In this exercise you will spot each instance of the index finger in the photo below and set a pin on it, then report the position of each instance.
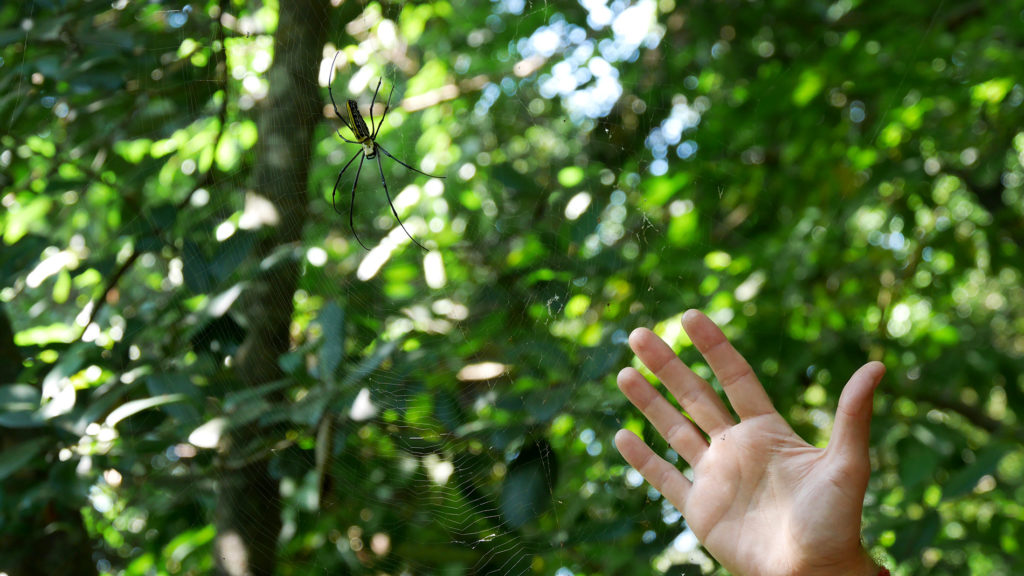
(741, 385)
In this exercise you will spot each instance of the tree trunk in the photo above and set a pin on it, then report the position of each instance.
(248, 499)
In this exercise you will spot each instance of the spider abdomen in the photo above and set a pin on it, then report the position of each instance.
(359, 128)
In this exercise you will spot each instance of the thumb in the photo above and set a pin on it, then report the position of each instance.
(853, 416)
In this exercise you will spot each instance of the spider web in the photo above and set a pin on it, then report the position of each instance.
(489, 495)
(481, 489)
(492, 495)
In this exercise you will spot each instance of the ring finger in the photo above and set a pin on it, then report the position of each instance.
(681, 434)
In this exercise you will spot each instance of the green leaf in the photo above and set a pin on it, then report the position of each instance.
(21, 419)
(177, 383)
(915, 535)
(332, 346)
(985, 462)
(810, 84)
(992, 91)
(599, 361)
(16, 258)
(231, 253)
(570, 176)
(15, 458)
(195, 269)
(257, 394)
(527, 489)
(19, 406)
(382, 352)
(658, 191)
(512, 179)
(19, 397)
(917, 462)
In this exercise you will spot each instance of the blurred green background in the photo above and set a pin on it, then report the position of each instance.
(202, 372)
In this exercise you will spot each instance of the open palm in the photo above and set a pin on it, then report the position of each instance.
(762, 501)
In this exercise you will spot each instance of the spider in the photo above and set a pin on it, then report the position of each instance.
(367, 138)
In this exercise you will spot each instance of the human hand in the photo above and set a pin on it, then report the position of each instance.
(762, 501)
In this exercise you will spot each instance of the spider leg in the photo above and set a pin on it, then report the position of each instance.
(376, 128)
(393, 211)
(387, 107)
(334, 104)
(390, 155)
(334, 193)
(390, 94)
(352, 202)
(346, 139)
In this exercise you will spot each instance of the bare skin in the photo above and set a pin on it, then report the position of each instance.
(762, 501)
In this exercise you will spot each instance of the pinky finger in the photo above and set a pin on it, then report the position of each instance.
(664, 477)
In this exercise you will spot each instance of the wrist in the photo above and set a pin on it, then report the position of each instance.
(862, 566)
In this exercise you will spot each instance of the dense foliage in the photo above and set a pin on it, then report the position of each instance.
(831, 182)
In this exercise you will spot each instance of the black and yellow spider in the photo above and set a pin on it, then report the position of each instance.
(367, 138)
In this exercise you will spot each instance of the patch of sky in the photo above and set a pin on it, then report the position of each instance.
(178, 18)
(510, 6)
(587, 79)
(894, 241)
(669, 133)
(487, 99)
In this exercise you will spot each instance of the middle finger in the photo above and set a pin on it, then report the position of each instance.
(694, 394)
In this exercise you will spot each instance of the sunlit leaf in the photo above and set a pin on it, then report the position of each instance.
(810, 84)
(135, 406)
